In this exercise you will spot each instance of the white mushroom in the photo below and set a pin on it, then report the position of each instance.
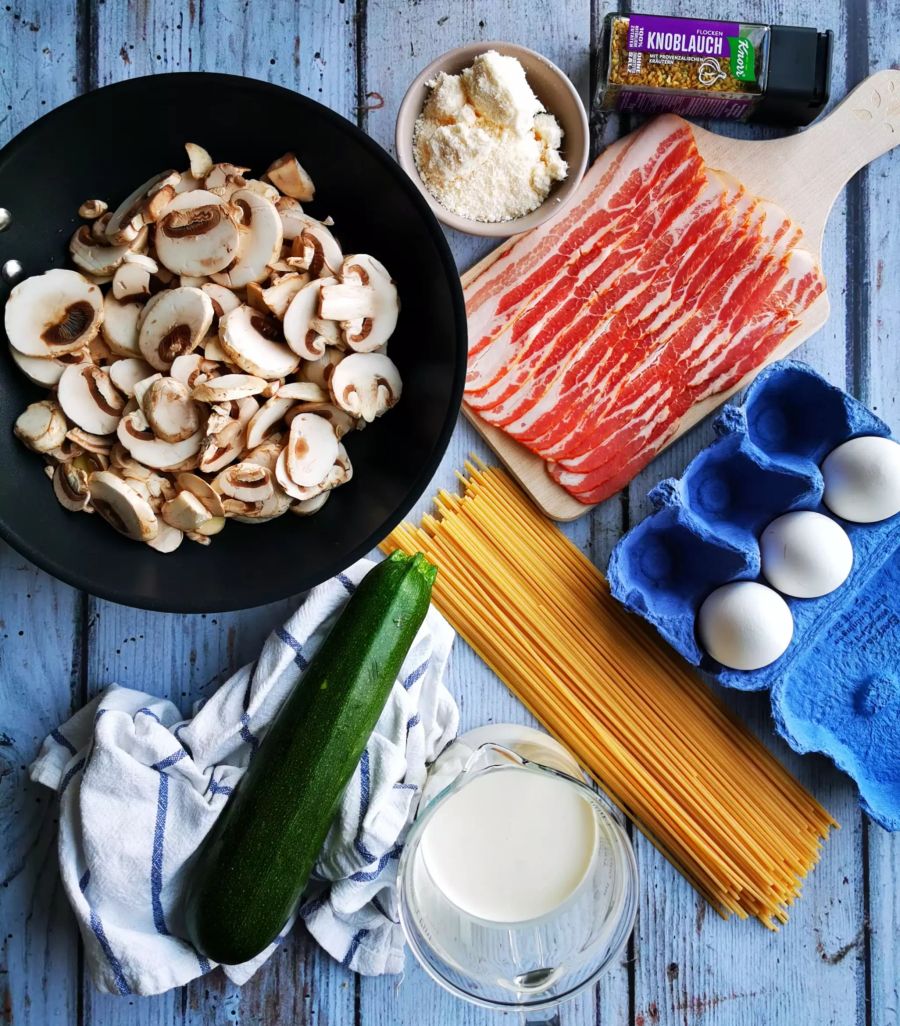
(135, 433)
(277, 297)
(201, 161)
(288, 175)
(99, 258)
(340, 472)
(87, 441)
(89, 398)
(125, 374)
(130, 280)
(212, 349)
(120, 505)
(365, 303)
(223, 300)
(46, 372)
(318, 251)
(311, 450)
(306, 507)
(265, 418)
(141, 388)
(185, 512)
(246, 482)
(70, 486)
(167, 538)
(303, 328)
(266, 453)
(177, 322)
(293, 219)
(229, 386)
(251, 341)
(120, 325)
(196, 234)
(319, 371)
(263, 188)
(121, 462)
(202, 490)
(226, 432)
(92, 209)
(170, 410)
(142, 207)
(366, 385)
(192, 369)
(342, 422)
(260, 240)
(41, 426)
(53, 313)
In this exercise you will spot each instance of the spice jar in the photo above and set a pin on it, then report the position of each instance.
(714, 69)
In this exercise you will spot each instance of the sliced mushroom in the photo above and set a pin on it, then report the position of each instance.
(212, 349)
(342, 422)
(142, 207)
(225, 176)
(196, 234)
(121, 506)
(179, 319)
(201, 161)
(141, 388)
(41, 426)
(229, 386)
(226, 434)
(70, 486)
(263, 188)
(246, 482)
(185, 512)
(125, 374)
(288, 175)
(167, 538)
(223, 300)
(87, 441)
(89, 398)
(170, 410)
(121, 462)
(366, 385)
(53, 313)
(120, 325)
(303, 328)
(251, 341)
(101, 258)
(306, 507)
(266, 453)
(92, 209)
(135, 433)
(46, 372)
(340, 472)
(260, 240)
(265, 418)
(192, 369)
(202, 490)
(130, 280)
(319, 371)
(318, 250)
(365, 303)
(277, 297)
(293, 219)
(311, 450)
(278, 503)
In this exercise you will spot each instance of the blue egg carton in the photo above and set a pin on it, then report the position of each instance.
(836, 689)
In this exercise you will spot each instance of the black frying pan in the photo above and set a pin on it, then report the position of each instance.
(107, 142)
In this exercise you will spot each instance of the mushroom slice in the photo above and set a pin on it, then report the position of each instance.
(277, 297)
(213, 351)
(196, 234)
(339, 419)
(101, 258)
(265, 418)
(319, 250)
(120, 505)
(86, 441)
(185, 511)
(135, 434)
(260, 243)
(45, 372)
(41, 426)
(180, 318)
(251, 341)
(311, 450)
(53, 313)
(365, 303)
(289, 176)
(293, 220)
(306, 507)
(121, 462)
(167, 538)
(302, 392)
(92, 209)
(223, 300)
(70, 486)
(143, 206)
(226, 433)
(120, 325)
(278, 503)
(90, 399)
(266, 453)
(366, 385)
(246, 482)
(141, 388)
(303, 329)
(201, 161)
(130, 280)
(202, 490)
(223, 175)
(263, 188)
(229, 386)
(170, 410)
(319, 371)
(192, 369)
(125, 374)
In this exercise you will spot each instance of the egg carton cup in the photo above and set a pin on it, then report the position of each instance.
(836, 689)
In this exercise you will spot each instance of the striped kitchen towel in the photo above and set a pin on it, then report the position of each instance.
(140, 787)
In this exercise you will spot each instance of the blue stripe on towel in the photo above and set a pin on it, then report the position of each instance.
(204, 964)
(364, 786)
(347, 583)
(177, 732)
(72, 770)
(169, 760)
(156, 862)
(364, 877)
(417, 674)
(150, 713)
(400, 786)
(354, 944)
(100, 934)
(313, 905)
(247, 736)
(64, 741)
(288, 639)
(216, 788)
(413, 721)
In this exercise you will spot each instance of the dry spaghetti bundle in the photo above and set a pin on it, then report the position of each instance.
(673, 758)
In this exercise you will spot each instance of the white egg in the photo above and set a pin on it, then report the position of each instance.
(862, 479)
(805, 554)
(745, 625)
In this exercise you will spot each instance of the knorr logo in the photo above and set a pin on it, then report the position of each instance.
(743, 59)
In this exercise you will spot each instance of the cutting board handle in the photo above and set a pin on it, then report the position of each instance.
(863, 126)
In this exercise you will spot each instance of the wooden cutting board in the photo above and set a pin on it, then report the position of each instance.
(803, 173)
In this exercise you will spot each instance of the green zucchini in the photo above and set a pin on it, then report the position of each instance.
(254, 864)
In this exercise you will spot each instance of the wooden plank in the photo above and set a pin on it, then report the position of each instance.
(40, 637)
(730, 973)
(874, 252)
(185, 657)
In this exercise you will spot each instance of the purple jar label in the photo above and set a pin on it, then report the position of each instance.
(695, 38)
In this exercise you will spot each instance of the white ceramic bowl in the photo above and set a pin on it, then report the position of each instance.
(551, 86)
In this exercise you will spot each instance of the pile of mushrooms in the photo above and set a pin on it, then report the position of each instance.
(234, 348)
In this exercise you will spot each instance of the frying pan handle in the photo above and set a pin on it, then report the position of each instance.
(863, 126)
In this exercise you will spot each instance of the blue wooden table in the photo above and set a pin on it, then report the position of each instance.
(838, 959)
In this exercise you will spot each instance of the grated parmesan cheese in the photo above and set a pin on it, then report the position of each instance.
(483, 144)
